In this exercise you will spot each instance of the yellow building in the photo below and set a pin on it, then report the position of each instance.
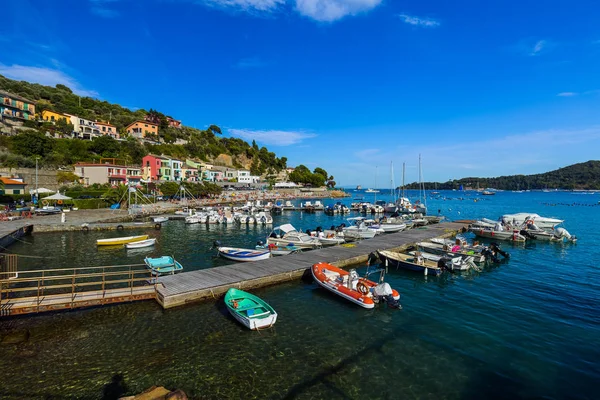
(52, 116)
(140, 129)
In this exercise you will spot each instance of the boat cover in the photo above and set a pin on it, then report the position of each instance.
(160, 262)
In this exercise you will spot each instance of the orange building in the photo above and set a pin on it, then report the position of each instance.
(107, 129)
(140, 129)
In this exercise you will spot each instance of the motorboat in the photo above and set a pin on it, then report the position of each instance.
(357, 229)
(263, 218)
(456, 263)
(243, 255)
(277, 250)
(140, 244)
(350, 286)
(371, 190)
(163, 265)
(120, 240)
(389, 227)
(559, 234)
(193, 219)
(249, 310)
(160, 220)
(288, 205)
(494, 230)
(288, 235)
(453, 250)
(519, 219)
(411, 262)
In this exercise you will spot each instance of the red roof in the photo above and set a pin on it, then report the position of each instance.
(8, 181)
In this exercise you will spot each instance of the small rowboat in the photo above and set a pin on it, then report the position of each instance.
(251, 311)
(279, 250)
(163, 265)
(140, 244)
(160, 220)
(237, 254)
(120, 240)
(350, 286)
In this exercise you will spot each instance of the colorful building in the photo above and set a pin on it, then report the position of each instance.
(106, 129)
(173, 122)
(14, 106)
(90, 173)
(83, 128)
(160, 168)
(12, 186)
(51, 116)
(140, 129)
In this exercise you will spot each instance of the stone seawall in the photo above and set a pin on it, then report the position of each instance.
(46, 178)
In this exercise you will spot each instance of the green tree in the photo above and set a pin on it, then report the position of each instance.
(169, 188)
(31, 144)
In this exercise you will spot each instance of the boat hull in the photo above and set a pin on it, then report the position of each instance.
(243, 255)
(498, 235)
(121, 240)
(140, 244)
(392, 259)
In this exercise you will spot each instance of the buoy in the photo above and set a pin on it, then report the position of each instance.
(157, 226)
(120, 227)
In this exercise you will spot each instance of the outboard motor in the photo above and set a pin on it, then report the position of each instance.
(560, 233)
(496, 249)
(260, 243)
(383, 292)
(372, 258)
(443, 263)
(216, 244)
(526, 233)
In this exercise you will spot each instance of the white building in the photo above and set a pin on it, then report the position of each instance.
(84, 128)
(245, 177)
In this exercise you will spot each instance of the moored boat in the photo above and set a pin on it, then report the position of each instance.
(278, 250)
(243, 255)
(140, 244)
(288, 235)
(120, 240)
(348, 285)
(411, 262)
(250, 310)
(163, 265)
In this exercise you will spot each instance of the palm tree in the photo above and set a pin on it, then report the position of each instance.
(117, 195)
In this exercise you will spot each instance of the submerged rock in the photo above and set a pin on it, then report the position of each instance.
(15, 337)
(158, 393)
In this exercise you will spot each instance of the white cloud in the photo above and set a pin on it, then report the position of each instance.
(332, 10)
(418, 21)
(538, 47)
(567, 94)
(44, 76)
(319, 10)
(272, 137)
(100, 9)
(246, 5)
(250, 63)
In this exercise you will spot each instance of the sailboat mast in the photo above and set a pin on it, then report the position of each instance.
(403, 172)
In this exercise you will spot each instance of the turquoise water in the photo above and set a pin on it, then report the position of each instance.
(527, 328)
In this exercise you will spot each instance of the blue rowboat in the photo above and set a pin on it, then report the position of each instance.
(163, 265)
(237, 254)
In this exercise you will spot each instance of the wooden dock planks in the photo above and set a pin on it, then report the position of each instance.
(185, 287)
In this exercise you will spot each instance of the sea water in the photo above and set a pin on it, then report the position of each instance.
(526, 328)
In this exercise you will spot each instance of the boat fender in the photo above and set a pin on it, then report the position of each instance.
(120, 227)
(157, 226)
(85, 229)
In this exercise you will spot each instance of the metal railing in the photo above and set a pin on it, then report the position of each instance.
(35, 287)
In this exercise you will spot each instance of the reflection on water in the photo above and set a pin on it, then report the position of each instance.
(525, 328)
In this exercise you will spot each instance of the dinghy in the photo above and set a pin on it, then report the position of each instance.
(243, 255)
(163, 265)
(140, 244)
(411, 262)
(120, 240)
(278, 250)
(350, 286)
(251, 311)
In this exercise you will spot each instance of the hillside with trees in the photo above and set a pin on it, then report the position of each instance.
(582, 176)
(206, 145)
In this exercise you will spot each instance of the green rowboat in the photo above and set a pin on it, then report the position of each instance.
(249, 310)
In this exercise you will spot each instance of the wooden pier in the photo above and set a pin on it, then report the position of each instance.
(176, 290)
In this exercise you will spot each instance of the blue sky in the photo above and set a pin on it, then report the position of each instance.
(477, 88)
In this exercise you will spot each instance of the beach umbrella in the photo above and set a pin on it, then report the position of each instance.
(57, 196)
